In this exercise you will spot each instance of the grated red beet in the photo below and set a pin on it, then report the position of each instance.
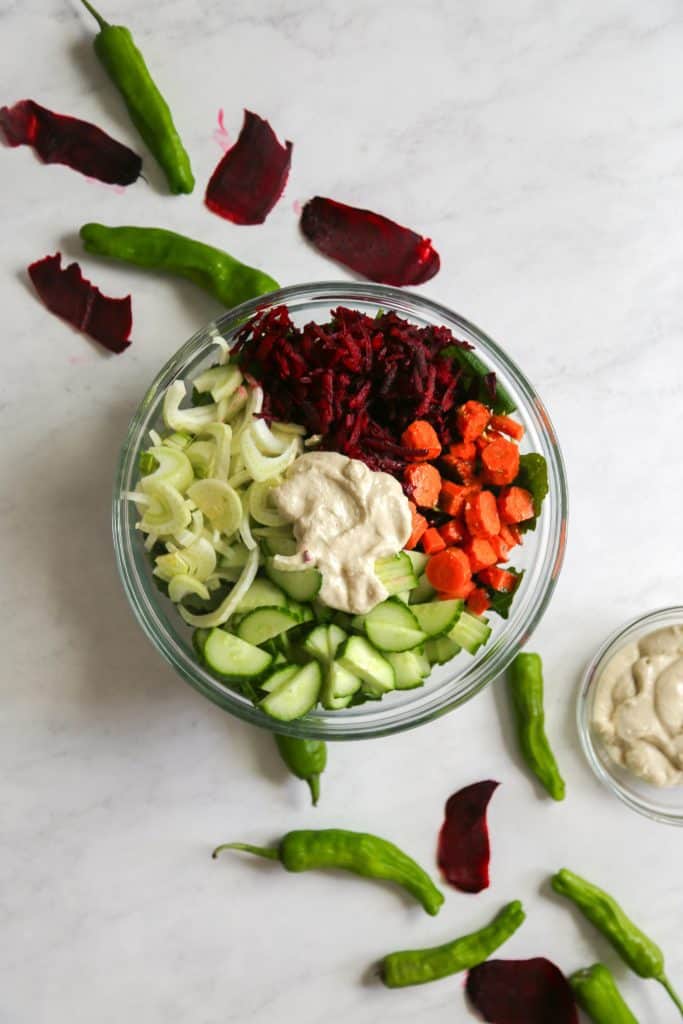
(521, 992)
(249, 179)
(68, 294)
(464, 851)
(357, 380)
(372, 245)
(59, 139)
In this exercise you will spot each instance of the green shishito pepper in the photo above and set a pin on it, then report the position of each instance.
(306, 759)
(634, 947)
(218, 273)
(358, 852)
(525, 680)
(597, 994)
(148, 109)
(417, 966)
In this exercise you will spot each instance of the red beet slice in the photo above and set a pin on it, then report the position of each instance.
(521, 992)
(250, 178)
(372, 245)
(59, 139)
(68, 294)
(464, 850)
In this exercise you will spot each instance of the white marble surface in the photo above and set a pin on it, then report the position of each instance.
(540, 144)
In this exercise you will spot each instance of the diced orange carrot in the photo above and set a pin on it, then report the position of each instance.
(452, 497)
(432, 541)
(423, 483)
(481, 515)
(501, 549)
(510, 535)
(498, 579)
(459, 594)
(478, 601)
(480, 553)
(453, 532)
(463, 469)
(515, 504)
(472, 420)
(423, 439)
(419, 526)
(449, 570)
(486, 438)
(465, 450)
(500, 460)
(506, 425)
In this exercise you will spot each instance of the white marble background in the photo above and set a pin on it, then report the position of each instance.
(540, 144)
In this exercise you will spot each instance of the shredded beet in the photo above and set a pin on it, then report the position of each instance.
(249, 179)
(464, 851)
(357, 380)
(521, 992)
(68, 294)
(368, 243)
(59, 139)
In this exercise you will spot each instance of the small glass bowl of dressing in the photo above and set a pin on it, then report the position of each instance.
(657, 802)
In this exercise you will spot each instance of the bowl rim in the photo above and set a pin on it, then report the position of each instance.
(590, 745)
(495, 659)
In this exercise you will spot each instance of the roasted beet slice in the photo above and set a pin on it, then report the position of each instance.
(372, 245)
(59, 139)
(250, 178)
(464, 850)
(68, 294)
(521, 992)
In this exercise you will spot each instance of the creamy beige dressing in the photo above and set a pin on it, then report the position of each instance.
(345, 517)
(638, 707)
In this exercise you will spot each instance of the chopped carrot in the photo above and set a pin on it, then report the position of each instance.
(480, 553)
(481, 515)
(472, 420)
(452, 497)
(423, 439)
(418, 528)
(478, 601)
(498, 579)
(506, 425)
(465, 450)
(459, 594)
(486, 438)
(501, 549)
(432, 541)
(453, 532)
(463, 469)
(510, 535)
(500, 460)
(515, 505)
(449, 570)
(422, 484)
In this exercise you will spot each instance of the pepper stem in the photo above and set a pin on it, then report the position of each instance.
(271, 852)
(314, 786)
(663, 980)
(98, 17)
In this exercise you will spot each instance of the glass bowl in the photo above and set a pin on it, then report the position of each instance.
(449, 685)
(665, 804)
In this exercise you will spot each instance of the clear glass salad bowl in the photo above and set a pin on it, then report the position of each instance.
(448, 685)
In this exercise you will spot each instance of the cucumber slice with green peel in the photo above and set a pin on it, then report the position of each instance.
(441, 650)
(437, 617)
(360, 658)
(279, 545)
(470, 631)
(423, 661)
(233, 658)
(343, 620)
(339, 687)
(424, 591)
(262, 593)
(281, 675)
(296, 696)
(396, 572)
(300, 584)
(303, 612)
(335, 638)
(316, 644)
(418, 560)
(391, 626)
(404, 596)
(199, 638)
(407, 668)
(357, 624)
(264, 623)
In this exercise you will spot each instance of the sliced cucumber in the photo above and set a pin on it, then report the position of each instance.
(322, 612)
(408, 669)
(396, 573)
(404, 596)
(233, 658)
(279, 544)
(343, 620)
(391, 626)
(437, 617)
(424, 591)
(303, 612)
(316, 644)
(441, 650)
(339, 687)
(296, 696)
(363, 660)
(264, 623)
(470, 631)
(423, 661)
(357, 624)
(262, 593)
(418, 560)
(300, 584)
(281, 675)
(199, 638)
(335, 638)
